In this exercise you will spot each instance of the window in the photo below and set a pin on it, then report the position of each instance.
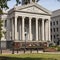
(5, 23)
(5, 36)
(54, 36)
(57, 22)
(57, 29)
(53, 23)
(51, 30)
(57, 35)
(51, 37)
(54, 29)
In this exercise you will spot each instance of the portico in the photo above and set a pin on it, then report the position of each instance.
(30, 29)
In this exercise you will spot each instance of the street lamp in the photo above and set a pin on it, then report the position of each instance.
(25, 40)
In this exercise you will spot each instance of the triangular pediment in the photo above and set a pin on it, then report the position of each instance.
(33, 8)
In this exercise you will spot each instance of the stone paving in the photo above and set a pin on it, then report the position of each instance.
(22, 52)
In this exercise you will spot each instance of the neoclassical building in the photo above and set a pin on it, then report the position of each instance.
(28, 22)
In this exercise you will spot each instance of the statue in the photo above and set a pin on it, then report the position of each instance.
(25, 2)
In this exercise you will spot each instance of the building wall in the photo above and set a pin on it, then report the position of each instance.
(55, 26)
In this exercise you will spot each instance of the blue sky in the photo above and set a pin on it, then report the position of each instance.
(48, 4)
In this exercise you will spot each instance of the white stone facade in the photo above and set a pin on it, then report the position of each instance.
(29, 22)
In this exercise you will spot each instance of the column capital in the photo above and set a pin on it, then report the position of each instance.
(30, 18)
(16, 17)
(43, 19)
(37, 18)
(23, 16)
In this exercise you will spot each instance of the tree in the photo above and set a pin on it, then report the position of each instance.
(1, 28)
(3, 5)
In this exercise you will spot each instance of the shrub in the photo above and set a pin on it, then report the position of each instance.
(27, 58)
(58, 48)
(50, 49)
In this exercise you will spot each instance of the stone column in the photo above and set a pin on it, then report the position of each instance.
(43, 29)
(36, 29)
(46, 30)
(20, 29)
(8, 25)
(30, 36)
(23, 36)
(16, 29)
(39, 32)
(12, 30)
(49, 30)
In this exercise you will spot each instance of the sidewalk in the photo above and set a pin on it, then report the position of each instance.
(27, 52)
(52, 52)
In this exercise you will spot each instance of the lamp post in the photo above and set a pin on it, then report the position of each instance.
(25, 41)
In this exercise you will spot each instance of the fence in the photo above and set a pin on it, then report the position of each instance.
(18, 47)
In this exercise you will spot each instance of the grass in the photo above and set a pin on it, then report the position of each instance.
(42, 56)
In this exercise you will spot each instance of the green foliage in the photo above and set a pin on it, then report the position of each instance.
(8, 58)
(58, 48)
(1, 28)
(1, 11)
(55, 47)
(18, 2)
(3, 4)
(30, 57)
